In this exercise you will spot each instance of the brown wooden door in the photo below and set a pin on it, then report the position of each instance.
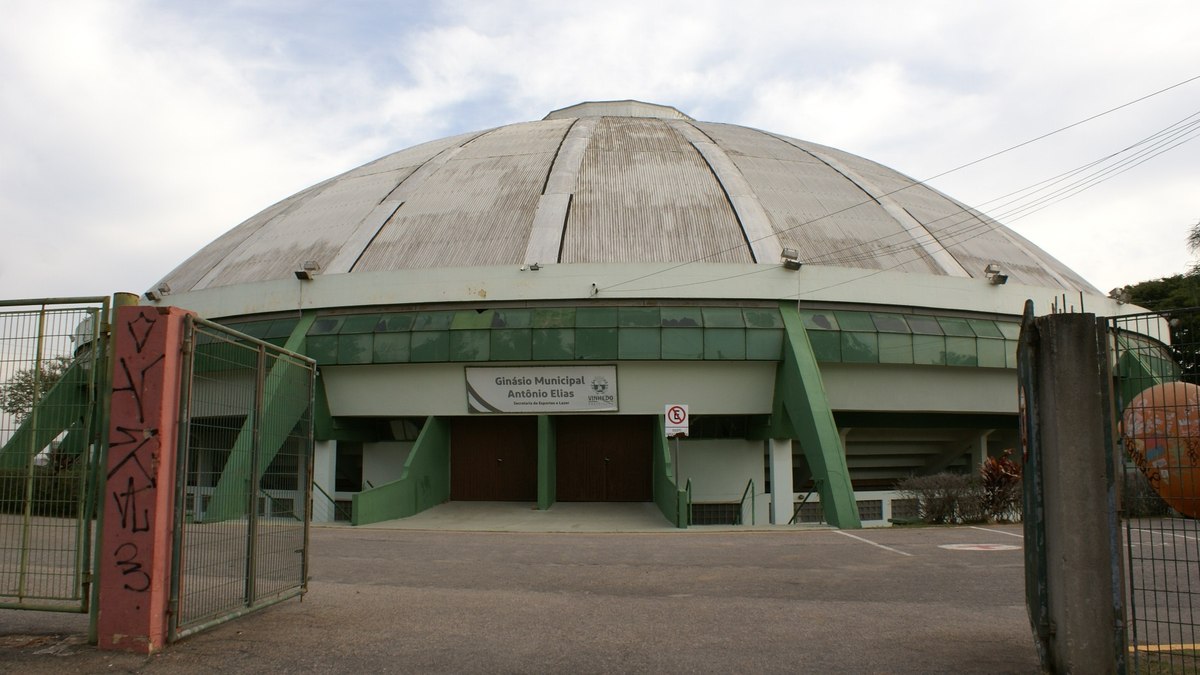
(493, 459)
(604, 459)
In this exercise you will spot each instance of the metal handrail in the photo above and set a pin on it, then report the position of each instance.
(273, 499)
(796, 512)
(332, 502)
(38, 302)
(742, 504)
(687, 488)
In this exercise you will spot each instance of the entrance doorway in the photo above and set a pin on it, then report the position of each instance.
(604, 458)
(493, 459)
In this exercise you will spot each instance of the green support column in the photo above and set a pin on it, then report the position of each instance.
(282, 408)
(547, 467)
(802, 412)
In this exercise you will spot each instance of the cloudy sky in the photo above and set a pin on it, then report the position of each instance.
(134, 132)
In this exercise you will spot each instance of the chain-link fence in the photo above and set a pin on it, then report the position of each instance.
(244, 477)
(1155, 373)
(53, 364)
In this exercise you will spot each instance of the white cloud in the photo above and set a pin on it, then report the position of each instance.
(133, 144)
(135, 132)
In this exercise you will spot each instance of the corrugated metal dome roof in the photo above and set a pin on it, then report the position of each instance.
(618, 181)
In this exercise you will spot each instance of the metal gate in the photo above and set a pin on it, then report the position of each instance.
(244, 492)
(53, 371)
(1155, 370)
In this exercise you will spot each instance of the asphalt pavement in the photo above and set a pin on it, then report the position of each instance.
(719, 600)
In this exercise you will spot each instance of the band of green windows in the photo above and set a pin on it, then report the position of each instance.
(645, 333)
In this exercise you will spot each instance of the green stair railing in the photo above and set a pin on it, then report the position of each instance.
(748, 493)
(796, 513)
(328, 506)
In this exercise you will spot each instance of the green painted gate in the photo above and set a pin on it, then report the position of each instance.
(244, 472)
(1157, 410)
(54, 374)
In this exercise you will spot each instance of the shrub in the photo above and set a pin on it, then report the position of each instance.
(1138, 498)
(56, 491)
(1000, 479)
(944, 498)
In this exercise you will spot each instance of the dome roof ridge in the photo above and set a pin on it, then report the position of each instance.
(624, 108)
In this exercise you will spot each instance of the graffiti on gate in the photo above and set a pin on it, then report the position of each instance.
(134, 448)
(134, 562)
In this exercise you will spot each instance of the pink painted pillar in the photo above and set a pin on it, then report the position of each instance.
(135, 552)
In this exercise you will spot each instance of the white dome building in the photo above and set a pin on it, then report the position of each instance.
(504, 315)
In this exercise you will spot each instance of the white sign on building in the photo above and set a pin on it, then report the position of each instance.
(542, 389)
(677, 419)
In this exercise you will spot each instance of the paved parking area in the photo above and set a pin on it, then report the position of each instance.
(899, 600)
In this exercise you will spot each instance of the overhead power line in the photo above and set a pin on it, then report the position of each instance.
(1185, 128)
(1026, 201)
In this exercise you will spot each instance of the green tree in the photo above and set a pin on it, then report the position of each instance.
(21, 391)
(1167, 294)
(1177, 298)
(1193, 244)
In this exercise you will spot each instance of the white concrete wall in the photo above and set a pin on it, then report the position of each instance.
(706, 387)
(384, 462)
(720, 469)
(396, 390)
(885, 496)
(643, 388)
(324, 465)
(919, 388)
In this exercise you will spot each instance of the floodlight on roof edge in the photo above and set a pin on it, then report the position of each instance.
(790, 258)
(155, 294)
(308, 270)
(994, 277)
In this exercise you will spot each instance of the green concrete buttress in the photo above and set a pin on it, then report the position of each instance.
(64, 408)
(424, 483)
(281, 409)
(802, 412)
(547, 463)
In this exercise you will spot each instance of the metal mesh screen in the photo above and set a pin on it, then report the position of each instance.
(1154, 367)
(244, 472)
(51, 366)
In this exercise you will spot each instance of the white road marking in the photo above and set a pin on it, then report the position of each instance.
(868, 541)
(1165, 534)
(980, 547)
(988, 529)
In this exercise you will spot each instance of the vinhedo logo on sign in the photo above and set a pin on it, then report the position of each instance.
(600, 391)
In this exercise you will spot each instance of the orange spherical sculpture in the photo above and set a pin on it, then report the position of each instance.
(1161, 428)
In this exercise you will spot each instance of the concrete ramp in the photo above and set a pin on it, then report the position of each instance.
(526, 517)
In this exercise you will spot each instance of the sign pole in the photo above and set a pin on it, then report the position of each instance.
(677, 472)
(676, 415)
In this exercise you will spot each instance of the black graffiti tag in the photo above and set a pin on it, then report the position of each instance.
(133, 475)
(126, 555)
(127, 506)
(134, 455)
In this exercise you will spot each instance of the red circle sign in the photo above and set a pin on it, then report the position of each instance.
(676, 414)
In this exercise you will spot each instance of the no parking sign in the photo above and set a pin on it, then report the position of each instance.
(677, 419)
